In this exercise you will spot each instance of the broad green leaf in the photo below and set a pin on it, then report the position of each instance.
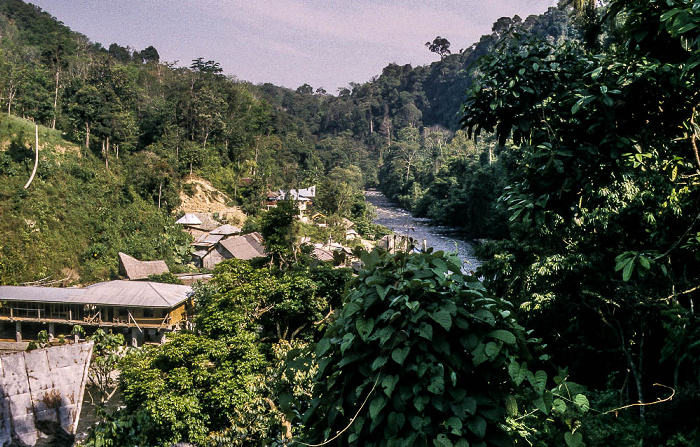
(540, 405)
(385, 334)
(347, 342)
(559, 406)
(399, 354)
(364, 327)
(437, 384)
(396, 421)
(469, 404)
(322, 347)
(479, 354)
(514, 370)
(379, 362)
(627, 271)
(455, 425)
(582, 402)
(538, 380)
(443, 318)
(573, 439)
(477, 425)
(486, 316)
(511, 406)
(644, 262)
(426, 331)
(388, 383)
(668, 14)
(420, 402)
(492, 349)
(503, 335)
(376, 406)
(442, 441)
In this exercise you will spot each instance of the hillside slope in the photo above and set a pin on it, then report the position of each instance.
(75, 216)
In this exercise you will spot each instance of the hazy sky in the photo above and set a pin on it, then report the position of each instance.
(325, 43)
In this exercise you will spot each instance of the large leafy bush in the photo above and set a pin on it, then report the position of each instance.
(421, 355)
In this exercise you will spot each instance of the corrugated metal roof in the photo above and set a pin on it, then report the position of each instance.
(200, 253)
(244, 247)
(208, 239)
(189, 219)
(111, 293)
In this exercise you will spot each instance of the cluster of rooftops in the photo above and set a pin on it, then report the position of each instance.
(214, 242)
(140, 304)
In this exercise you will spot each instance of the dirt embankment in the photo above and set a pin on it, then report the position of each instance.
(204, 198)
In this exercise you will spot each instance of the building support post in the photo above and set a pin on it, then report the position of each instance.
(135, 337)
(18, 331)
(52, 331)
(161, 335)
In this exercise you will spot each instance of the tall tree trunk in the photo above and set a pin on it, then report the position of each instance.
(107, 153)
(160, 191)
(55, 99)
(87, 136)
(634, 367)
(10, 96)
(36, 157)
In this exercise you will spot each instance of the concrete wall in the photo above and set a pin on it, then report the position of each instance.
(41, 394)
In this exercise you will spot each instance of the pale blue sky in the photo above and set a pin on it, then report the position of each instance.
(325, 43)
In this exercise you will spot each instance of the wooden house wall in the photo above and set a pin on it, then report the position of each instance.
(178, 314)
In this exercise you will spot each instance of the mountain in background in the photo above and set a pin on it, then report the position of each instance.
(121, 133)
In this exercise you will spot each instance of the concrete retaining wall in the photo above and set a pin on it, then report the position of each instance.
(41, 393)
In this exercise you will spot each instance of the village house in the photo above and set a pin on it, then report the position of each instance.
(144, 310)
(135, 270)
(246, 247)
(207, 252)
(303, 197)
(198, 224)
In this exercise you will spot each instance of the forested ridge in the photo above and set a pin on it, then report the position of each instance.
(151, 124)
(568, 141)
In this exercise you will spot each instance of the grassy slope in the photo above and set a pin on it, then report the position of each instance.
(76, 215)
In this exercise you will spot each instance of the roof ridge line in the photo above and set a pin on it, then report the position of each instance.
(150, 284)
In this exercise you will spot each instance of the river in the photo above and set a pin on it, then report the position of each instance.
(440, 238)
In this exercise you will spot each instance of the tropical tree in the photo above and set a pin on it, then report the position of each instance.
(599, 140)
(439, 45)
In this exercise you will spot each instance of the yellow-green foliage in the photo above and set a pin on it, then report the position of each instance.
(75, 216)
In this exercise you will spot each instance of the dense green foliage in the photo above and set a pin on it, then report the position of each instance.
(74, 218)
(584, 174)
(421, 355)
(125, 110)
(161, 123)
(228, 383)
(601, 201)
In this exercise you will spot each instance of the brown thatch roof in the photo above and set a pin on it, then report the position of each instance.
(208, 222)
(134, 269)
(322, 254)
(245, 247)
(226, 230)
